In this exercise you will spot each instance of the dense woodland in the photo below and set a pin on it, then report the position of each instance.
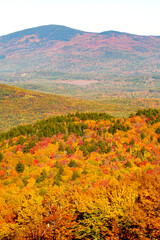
(76, 175)
(82, 176)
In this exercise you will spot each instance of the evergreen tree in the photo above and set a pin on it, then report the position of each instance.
(72, 163)
(19, 167)
(69, 150)
(75, 175)
(60, 147)
(1, 156)
(42, 176)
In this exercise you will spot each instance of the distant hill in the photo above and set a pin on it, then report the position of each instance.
(59, 48)
(53, 58)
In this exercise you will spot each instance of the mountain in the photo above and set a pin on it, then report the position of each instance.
(53, 53)
(60, 48)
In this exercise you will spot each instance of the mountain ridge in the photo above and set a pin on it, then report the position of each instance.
(42, 30)
(54, 26)
(55, 48)
(63, 33)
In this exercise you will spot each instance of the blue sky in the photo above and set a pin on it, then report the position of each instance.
(138, 17)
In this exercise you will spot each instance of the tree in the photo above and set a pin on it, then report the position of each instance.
(60, 147)
(75, 175)
(69, 150)
(19, 167)
(1, 156)
(42, 176)
(72, 163)
(62, 224)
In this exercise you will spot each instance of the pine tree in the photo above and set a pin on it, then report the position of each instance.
(1, 156)
(19, 167)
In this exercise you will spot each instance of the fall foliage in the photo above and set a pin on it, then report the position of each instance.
(82, 176)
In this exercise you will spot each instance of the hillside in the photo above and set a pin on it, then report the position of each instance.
(71, 50)
(82, 176)
(54, 56)
(19, 106)
(83, 163)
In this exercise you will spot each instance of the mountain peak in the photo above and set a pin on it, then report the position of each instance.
(49, 32)
(60, 48)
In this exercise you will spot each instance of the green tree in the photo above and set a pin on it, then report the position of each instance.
(75, 175)
(60, 147)
(69, 150)
(58, 177)
(19, 167)
(128, 164)
(142, 135)
(1, 156)
(42, 176)
(72, 163)
(158, 130)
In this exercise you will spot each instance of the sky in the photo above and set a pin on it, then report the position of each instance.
(140, 17)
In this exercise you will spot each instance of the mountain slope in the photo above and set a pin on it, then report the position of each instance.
(59, 48)
(70, 62)
(82, 176)
(19, 106)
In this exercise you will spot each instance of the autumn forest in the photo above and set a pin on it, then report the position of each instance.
(81, 176)
(79, 135)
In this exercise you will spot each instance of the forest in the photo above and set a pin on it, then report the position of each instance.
(82, 176)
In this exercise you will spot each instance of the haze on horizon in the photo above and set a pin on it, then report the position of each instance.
(139, 17)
